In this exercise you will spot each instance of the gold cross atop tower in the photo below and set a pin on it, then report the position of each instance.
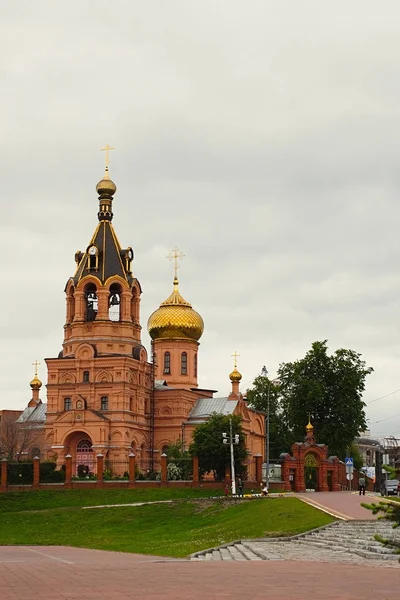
(175, 255)
(107, 149)
(36, 364)
(235, 355)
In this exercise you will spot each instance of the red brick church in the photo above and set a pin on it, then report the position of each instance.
(105, 393)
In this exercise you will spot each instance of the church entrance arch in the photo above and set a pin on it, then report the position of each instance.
(78, 445)
(311, 470)
(85, 463)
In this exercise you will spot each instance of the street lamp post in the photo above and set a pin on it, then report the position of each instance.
(264, 373)
(231, 441)
(267, 442)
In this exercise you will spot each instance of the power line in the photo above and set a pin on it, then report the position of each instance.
(382, 397)
(386, 418)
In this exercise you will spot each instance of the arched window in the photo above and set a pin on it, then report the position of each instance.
(114, 302)
(85, 376)
(91, 302)
(167, 363)
(195, 365)
(164, 449)
(184, 363)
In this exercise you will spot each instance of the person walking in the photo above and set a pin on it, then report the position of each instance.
(361, 486)
(240, 487)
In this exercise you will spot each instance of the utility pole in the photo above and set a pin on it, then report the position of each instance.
(264, 373)
(267, 441)
(231, 440)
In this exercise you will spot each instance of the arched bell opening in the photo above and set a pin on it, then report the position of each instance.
(114, 302)
(91, 301)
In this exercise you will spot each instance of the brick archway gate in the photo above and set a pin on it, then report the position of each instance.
(308, 467)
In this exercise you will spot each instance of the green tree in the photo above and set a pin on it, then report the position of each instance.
(264, 392)
(179, 461)
(213, 454)
(328, 388)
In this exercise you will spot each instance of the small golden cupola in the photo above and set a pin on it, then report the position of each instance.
(35, 384)
(309, 430)
(235, 376)
(175, 328)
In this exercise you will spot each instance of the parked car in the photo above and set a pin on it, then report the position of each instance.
(390, 487)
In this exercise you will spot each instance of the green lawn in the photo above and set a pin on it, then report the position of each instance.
(45, 499)
(176, 529)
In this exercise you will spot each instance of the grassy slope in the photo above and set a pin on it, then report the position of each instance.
(37, 500)
(176, 529)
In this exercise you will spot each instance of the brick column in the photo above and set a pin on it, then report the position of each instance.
(132, 468)
(323, 482)
(196, 477)
(68, 471)
(163, 468)
(36, 472)
(100, 469)
(258, 458)
(3, 482)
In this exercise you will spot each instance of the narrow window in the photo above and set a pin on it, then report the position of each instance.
(67, 403)
(167, 363)
(104, 403)
(184, 363)
(195, 365)
(85, 376)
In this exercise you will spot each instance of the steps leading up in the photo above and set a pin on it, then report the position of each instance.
(344, 539)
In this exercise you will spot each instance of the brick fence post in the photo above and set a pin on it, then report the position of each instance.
(163, 468)
(100, 469)
(68, 471)
(258, 458)
(132, 469)
(195, 467)
(36, 473)
(3, 484)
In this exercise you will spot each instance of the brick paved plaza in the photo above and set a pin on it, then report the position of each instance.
(56, 573)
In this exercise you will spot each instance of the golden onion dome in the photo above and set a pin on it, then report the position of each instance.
(106, 187)
(235, 376)
(175, 319)
(36, 384)
(309, 427)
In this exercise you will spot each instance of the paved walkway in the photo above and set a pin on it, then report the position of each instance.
(57, 573)
(344, 505)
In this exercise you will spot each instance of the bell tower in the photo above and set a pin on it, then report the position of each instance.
(103, 296)
(99, 386)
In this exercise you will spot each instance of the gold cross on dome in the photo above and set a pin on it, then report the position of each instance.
(36, 364)
(235, 355)
(107, 149)
(175, 255)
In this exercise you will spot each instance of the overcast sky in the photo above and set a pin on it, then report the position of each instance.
(261, 137)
